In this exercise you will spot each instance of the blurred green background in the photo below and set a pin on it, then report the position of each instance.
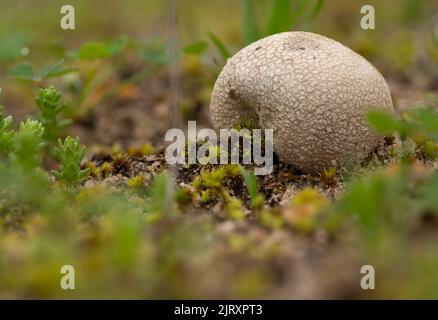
(403, 45)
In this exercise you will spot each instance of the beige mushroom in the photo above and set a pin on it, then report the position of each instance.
(313, 91)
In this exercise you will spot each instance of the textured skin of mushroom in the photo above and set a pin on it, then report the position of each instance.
(313, 91)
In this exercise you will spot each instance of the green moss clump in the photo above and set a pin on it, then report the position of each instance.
(136, 182)
(244, 124)
(328, 176)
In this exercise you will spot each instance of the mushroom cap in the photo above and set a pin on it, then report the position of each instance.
(311, 90)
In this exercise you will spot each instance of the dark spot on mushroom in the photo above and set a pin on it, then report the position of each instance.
(314, 57)
(258, 48)
(232, 93)
(301, 48)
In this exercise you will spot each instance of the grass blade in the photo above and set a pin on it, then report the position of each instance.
(257, 199)
(251, 182)
(280, 19)
(195, 48)
(250, 27)
(225, 53)
(297, 13)
(315, 11)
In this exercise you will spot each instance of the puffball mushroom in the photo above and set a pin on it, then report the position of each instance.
(311, 90)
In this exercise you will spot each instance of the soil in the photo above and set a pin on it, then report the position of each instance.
(304, 266)
(316, 265)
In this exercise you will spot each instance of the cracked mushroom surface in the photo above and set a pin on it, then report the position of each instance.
(311, 90)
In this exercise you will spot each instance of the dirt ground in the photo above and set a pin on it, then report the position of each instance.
(316, 265)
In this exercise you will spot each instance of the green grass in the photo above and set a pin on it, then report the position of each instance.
(140, 232)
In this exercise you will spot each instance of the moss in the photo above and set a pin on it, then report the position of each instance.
(183, 196)
(213, 179)
(136, 182)
(244, 124)
(213, 155)
(271, 219)
(392, 152)
(233, 170)
(258, 201)
(206, 195)
(209, 186)
(104, 170)
(93, 168)
(304, 209)
(329, 176)
(116, 150)
(309, 196)
(89, 198)
(235, 208)
(121, 164)
(427, 149)
(250, 283)
(144, 150)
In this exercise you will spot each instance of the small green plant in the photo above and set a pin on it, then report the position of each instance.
(328, 176)
(214, 152)
(271, 218)
(27, 145)
(244, 124)
(89, 72)
(98, 60)
(212, 180)
(22, 177)
(50, 104)
(379, 201)
(235, 208)
(210, 185)
(418, 125)
(257, 199)
(6, 135)
(305, 209)
(221, 47)
(209, 179)
(70, 153)
(161, 198)
(136, 181)
(25, 72)
(144, 150)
